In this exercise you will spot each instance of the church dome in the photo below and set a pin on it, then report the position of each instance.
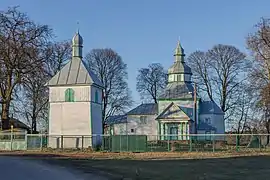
(179, 68)
(77, 39)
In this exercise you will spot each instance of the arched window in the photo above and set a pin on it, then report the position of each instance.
(96, 96)
(69, 95)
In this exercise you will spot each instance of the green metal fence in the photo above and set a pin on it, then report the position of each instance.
(13, 141)
(138, 143)
(36, 141)
(126, 143)
(193, 143)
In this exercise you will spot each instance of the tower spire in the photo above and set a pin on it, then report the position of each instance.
(179, 52)
(77, 44)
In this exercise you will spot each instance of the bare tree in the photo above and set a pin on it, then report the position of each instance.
(264, 105)
(32, 103)
(34, 100)
(112, 72)
(20, 40)
(58, 54)
(243, 114)
(220, 71)
(228, 64)
(151, 81)
(201, 69)
(258, 42)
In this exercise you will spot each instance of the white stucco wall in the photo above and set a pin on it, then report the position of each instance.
(57, 94)
(96, 114)
(179, 77)
(120, 129)
(217, 121)
(202, 135)
(96, 125)
(69, 119)
(96, 119)
(93, 90)
(150, 128)
(202, 117)
(83, 117)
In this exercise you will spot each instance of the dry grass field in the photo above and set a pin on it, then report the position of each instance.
(163, 166)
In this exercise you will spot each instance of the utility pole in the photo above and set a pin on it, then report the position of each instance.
(195, 107)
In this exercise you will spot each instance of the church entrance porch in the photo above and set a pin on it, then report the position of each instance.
(174, 131)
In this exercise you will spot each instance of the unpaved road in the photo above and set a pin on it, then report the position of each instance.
(19, 168)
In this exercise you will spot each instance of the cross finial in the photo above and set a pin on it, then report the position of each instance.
(78, 26)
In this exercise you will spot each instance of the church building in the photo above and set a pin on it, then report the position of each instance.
(75, 100)
(178, 113)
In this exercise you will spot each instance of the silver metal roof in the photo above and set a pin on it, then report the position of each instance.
(116, 119)
(177, 90)
(75, 72)
(77, 39)
(179, 67)
(144, 109)
(210, 107)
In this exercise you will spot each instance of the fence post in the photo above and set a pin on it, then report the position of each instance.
(26, 141)
(168, 143)
(190, 143)
(11, 137)
(110, 143)
(41, 142)
(120, 143)
(62, 142)
(213, 143)
(237, 143)
(82, 142)
(260, 143)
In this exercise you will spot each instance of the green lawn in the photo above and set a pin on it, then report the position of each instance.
(248, 168)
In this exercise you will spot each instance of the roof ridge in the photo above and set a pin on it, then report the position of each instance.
(75, 72)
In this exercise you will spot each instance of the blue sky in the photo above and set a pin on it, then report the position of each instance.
(146, 31)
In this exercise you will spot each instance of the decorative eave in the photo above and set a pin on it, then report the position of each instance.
(160, 116)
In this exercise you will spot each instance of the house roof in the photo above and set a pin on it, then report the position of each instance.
(75, 72)
(210, 107)
(17, 124)
(177, 90)
(144, 109)
(116, 119)
(188, 111)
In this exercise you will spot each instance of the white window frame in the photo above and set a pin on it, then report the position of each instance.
(143, 119)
